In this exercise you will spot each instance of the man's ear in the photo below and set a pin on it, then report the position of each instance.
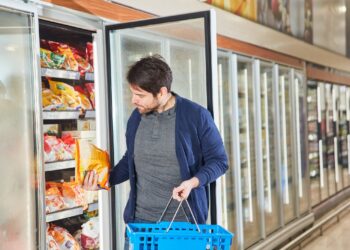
(163, 91)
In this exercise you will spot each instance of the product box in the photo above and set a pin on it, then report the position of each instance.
(86, 125)
(51, 129)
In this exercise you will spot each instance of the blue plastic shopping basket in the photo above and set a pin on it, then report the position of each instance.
(177, 235)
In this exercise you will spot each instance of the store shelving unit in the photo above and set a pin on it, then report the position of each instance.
(67, 213)
(59, 165)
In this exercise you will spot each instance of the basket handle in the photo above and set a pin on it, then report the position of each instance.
(176, 212)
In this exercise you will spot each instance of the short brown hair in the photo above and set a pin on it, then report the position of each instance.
(150, 73)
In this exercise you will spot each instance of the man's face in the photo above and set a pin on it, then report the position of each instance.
(144, 101)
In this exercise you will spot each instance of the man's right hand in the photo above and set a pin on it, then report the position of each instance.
(90, 181)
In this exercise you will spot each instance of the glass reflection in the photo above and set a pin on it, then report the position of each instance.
(287, 167)
(268, 129)
(247, 151)
(226, 123)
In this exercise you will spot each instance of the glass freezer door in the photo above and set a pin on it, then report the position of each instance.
(188, 43)
(19, 129)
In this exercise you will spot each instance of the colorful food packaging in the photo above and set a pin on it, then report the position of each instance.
(85, 102)
(58, 149)
(53, 198)
(58, 238)
(73, 195)
(63, 49)
(50, 100)
(69, 96)
(74, 61)
(90, 234)
(91, 90)
(91, 158)
(89, 53)
(51, 60)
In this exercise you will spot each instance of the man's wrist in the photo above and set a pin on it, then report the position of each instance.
(194, 182)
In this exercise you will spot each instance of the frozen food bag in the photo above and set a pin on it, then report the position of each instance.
(69, 96)
(91, 90)
(59, 238)
(91, 158)
(73, 195)
(63, 49)
(90, 234)
(51, 60)
(53, 198)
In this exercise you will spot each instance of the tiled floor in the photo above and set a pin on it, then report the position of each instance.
(336, 237)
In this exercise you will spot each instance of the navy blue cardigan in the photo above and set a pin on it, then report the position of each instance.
(199, 150)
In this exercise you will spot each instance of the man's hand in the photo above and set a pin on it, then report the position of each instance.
(183, 191)
(90, 181)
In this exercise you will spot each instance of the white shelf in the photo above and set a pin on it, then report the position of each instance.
(58, 73)
(90, 114)
(89, 76)
(59, 215)
(61, 115)
(59, 165)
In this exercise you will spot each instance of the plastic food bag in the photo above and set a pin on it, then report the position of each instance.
(91, 158)
(90, 234)
(59, 238)
(51, 60)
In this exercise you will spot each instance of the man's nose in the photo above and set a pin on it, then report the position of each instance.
(134, 100)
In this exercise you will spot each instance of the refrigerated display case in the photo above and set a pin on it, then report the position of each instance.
(300, 129)
(247, 142)
(268, 134)
(72, 66)
(226, 123)
(314, 142)
(342, 135)
(330, 137)
(68, 103)
(187, 45)
(20, 146)
(288, 163)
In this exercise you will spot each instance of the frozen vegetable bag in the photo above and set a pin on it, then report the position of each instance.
(91, 158)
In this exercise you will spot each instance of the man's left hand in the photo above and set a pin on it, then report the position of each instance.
(182, 192)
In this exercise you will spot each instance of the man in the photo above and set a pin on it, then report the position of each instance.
(173, 148)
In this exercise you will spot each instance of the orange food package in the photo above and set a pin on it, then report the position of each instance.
(91, 158)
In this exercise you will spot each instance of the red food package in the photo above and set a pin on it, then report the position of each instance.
(90, 53)
(91, 89)
(90, 234)
(44, 44)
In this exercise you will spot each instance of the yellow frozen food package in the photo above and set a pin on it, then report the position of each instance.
(91, 158)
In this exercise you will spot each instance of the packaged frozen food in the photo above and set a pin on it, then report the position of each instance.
(60, 238)
(51, 129)
(73, 195)
(53, 198)
(74, 61)
(90, 53)
(48, 59)
(70, 97)
(63, 49)
(50, 100)
(85, 102)
(91, 89)
(90, 234)
(91, 158)
(57, 149)
(86, 125)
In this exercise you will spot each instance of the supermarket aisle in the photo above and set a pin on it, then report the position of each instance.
(336, 237)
